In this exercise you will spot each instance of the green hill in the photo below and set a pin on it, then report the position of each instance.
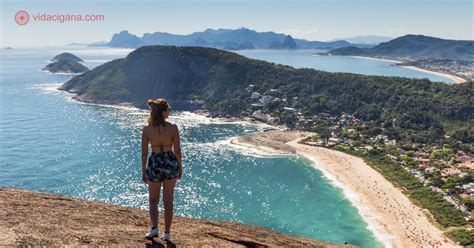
(415, 47)
(416, 109)
(350, 50)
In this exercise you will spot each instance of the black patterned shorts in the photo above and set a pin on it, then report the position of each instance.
(162, 166)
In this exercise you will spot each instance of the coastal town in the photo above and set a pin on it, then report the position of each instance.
(459, 68)
(443, 169)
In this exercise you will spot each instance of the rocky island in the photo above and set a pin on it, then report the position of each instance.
(65, 66)
(66, 56)
(66, 63)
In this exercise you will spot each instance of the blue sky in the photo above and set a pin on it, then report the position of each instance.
(313, 20)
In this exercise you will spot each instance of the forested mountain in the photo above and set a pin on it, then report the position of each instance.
(415, 47)
(418, 107)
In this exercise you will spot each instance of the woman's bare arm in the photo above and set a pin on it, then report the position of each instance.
(177, 149)
(144, 150)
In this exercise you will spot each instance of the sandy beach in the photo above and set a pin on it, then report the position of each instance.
(390, 215)
(456, 79)
(371, 58)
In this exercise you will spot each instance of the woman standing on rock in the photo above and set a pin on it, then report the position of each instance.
(164, 164)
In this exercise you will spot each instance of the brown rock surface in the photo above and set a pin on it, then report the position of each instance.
(42, 219)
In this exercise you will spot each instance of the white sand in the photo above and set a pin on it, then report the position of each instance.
(390, 215)
(371, 58)
(456, 79)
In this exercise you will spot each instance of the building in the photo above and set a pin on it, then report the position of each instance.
(266, 99)
(258, 115)
(391, 156)
(256, 95)
(273, 91)
(250, 87)
(333, 141)
(450, 172)
(423, 160)
(289, 109)
(468, 188)
(466, 161)
(431, 170)
(423, 165)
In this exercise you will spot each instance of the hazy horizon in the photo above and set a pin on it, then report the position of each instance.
(319, 20)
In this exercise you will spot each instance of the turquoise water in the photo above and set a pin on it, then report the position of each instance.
(53, 144)
(307, 59)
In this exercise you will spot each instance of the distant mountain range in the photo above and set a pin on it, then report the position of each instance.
(366, 39)
(229, 39)
(409, 47)
(414, 47)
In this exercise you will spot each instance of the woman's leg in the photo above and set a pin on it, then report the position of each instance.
(153, 200)
(168, 195)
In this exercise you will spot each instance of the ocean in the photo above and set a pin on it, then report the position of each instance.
(50, 143)
(366, 66)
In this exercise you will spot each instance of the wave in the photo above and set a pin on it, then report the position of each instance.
(60, 73)
(252, 150)
(354, 198)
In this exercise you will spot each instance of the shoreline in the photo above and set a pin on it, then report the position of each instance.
(372, 58)
(454, 78)
(377, 230)
(391, 216)
(215, 120)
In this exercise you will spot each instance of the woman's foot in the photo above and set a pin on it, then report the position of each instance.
(154, 232)
(166, 236)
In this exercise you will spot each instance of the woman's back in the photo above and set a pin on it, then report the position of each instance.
(161, 137)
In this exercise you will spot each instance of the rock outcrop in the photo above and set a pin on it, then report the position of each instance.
(43, 219)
